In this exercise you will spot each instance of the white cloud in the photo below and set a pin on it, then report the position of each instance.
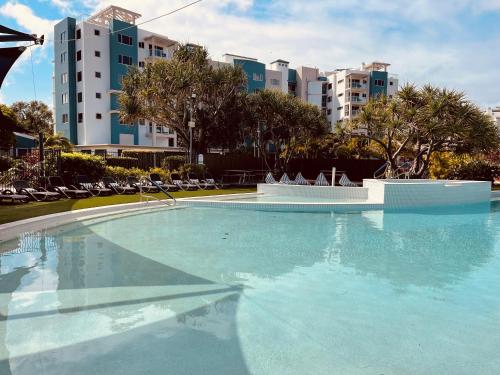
(422, 39)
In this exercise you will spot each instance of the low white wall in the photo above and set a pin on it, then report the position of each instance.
(335, 193)
(421, 193)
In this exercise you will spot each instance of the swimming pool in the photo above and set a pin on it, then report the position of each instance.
(215, 291)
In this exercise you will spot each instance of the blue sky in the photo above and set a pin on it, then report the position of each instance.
(451, 43)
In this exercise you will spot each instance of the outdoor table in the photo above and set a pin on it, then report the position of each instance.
(241, 174)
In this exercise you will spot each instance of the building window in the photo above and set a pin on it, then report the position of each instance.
(339, 82)
(125, 60)
(98, 74)
(330, 85)
(97, 32)
(329, 99)
(79, 76)
(339, 108)
(79, 97)
(328, 112)
(170, 142)
(78, 55)
(141, 44)
(142, 121)
(97, 53)
(78, 34)
(65, 118)
(98, 95)
(124, 39)
(379, 82)
(141, 64)
(63, 57)
(340, 94)
(258, 77)
(346, 110)
(63, 36)
(98, 116)
(363, 95)
(80, 117)
(275, 82)
(391, 83)
(64, 78)
(64, 98)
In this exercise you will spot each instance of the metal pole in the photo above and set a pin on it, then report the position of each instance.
(190, 145)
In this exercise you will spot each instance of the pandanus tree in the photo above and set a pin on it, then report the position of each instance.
(282, 125)
(188, 87)
(420, 122)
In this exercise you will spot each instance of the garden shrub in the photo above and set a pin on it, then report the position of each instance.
(173, 162)
(122, 161)
(198, 169)
(481, 170)
(164, 174)
(73, 164)
(120, 174)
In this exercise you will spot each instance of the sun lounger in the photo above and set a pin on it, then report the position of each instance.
(344, 181)
(183, 185)
(93, 188)
(270, 179)
(321, 180)
(57, 183)
(110, 183)
(300, 180)
(139, 186)
(202, 184)
(37, 194)
(155, 177)
(9, 196)
(285, 179)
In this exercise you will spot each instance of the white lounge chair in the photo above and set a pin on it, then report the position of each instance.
(321, 180)
(300, 180)
(270, 179)
(285, 179)
(344, 181)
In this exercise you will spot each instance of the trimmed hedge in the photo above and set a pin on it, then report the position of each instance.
(73, 164)
(120, 174)
(122, 161)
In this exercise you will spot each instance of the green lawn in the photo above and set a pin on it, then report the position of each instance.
(9, 213)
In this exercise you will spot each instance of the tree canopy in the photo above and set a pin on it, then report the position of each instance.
(282, 124)
(35, 117)
(8, 122)
(419, 122)
(188, 86)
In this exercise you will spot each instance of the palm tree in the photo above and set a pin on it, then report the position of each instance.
(58, 141)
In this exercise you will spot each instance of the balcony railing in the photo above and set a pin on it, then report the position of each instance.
(356, 85)
(356, 99)
(158, 53)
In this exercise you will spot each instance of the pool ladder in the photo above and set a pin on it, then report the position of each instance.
(172, 201)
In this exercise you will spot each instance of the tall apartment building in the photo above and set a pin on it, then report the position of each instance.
(494, 113)
(348, 90)
(90, 59)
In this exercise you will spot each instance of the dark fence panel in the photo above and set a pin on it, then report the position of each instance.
(30, 168)
(356, 169)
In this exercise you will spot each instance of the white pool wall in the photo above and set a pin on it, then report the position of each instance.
(424, 193)
(329, 192)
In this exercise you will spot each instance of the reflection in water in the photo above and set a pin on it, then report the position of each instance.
(205, 291)
(432, 249)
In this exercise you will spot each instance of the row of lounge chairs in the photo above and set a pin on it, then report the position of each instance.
(300, 180)
(84, 187)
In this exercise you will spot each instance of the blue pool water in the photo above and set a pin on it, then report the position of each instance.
(215, 291)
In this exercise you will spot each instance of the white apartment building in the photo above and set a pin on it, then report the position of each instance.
(494, 113)
(91, 58)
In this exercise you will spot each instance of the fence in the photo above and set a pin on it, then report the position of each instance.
(30, 168)
(138, 159)
(356, 169)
